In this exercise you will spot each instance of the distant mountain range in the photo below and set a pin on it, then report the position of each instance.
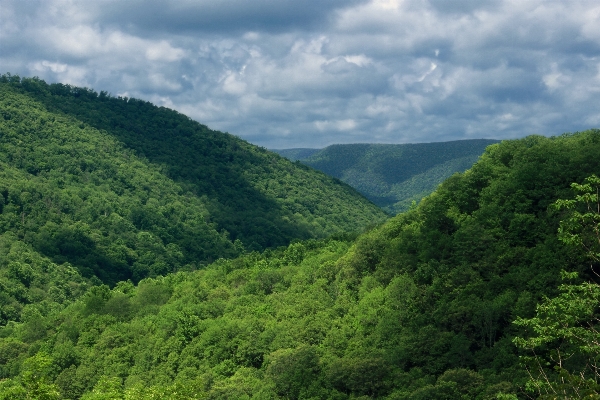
(392, 175)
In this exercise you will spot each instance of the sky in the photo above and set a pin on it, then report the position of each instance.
(310, 73)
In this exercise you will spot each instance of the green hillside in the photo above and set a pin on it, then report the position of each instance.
(122, 189)
(421, 307)
(296, 154)
(393, 175)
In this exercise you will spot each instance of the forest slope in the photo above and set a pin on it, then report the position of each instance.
(418, 308)
(123, 189)
(297, 154)
(393, 175)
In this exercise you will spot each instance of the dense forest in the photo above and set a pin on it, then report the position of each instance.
(393, 176)
(122, 189)
(484, 290)
(296, 154)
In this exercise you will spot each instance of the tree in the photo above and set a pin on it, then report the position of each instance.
(582, 227)
(566, 329)
(35, 382)
(107, 388)
(293, 370)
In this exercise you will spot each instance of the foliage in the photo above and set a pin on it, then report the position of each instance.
(566, 338)
(76, 195)
(418, 308)
(121, 189)
(32, 285)
(255, 196)
(35, 381)
(296, 154)
(582, 227)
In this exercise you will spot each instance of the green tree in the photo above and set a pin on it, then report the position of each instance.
(582, 227)
(35, 382)
(569, 324)
(106, 389)
(293, 370)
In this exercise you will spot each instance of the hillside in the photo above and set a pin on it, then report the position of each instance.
(122, 189)
(297, 154)
(421, 307)
(393, 175)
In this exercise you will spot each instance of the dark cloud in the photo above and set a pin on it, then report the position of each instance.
(464, 6)
(222, 17)
(284, 73)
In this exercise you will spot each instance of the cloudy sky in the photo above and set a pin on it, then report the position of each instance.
(309, 73)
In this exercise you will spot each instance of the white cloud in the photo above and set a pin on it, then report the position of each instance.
(591, 24)
(555, 79)
(48, 65)
(232, 85)
(71, 75)
(432, 68)
(340, 125)
(163, 51)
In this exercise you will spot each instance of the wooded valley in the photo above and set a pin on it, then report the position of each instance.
(393, 175)
(143, 255)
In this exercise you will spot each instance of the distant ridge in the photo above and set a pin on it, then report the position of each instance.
(393, 175)
(297, 154)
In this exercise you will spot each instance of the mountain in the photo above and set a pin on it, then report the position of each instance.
(393, 175)
(297, 154)
(421, 307)
(122, 189)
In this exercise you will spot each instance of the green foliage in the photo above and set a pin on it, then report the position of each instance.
(106, 389)
(297, 154)
(564, 337)
(392, 176)
(35, 381)
(32, 285)
(293, 370)
(420, 307)
(582, 226)
(121, 189)
(567, 340)
(76, 195)
(253, 195)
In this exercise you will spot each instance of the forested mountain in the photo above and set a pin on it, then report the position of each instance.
(393, 175)
(122, 189)
(297, 154)
(421, 307)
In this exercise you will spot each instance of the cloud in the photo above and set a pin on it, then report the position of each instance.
(220, 17)
(283, 73)
(340, 125)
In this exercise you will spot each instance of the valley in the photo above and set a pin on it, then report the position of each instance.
(393, 175)
(144, 255)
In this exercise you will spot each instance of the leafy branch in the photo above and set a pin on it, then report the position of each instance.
(566, 340)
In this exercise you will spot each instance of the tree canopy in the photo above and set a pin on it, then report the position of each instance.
(420, 307)
(122, 189)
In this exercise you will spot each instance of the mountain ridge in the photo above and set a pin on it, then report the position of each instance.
(393, 175)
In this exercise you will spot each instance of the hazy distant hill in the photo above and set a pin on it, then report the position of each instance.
(296, 154)
(121, 188)
(393, 175)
